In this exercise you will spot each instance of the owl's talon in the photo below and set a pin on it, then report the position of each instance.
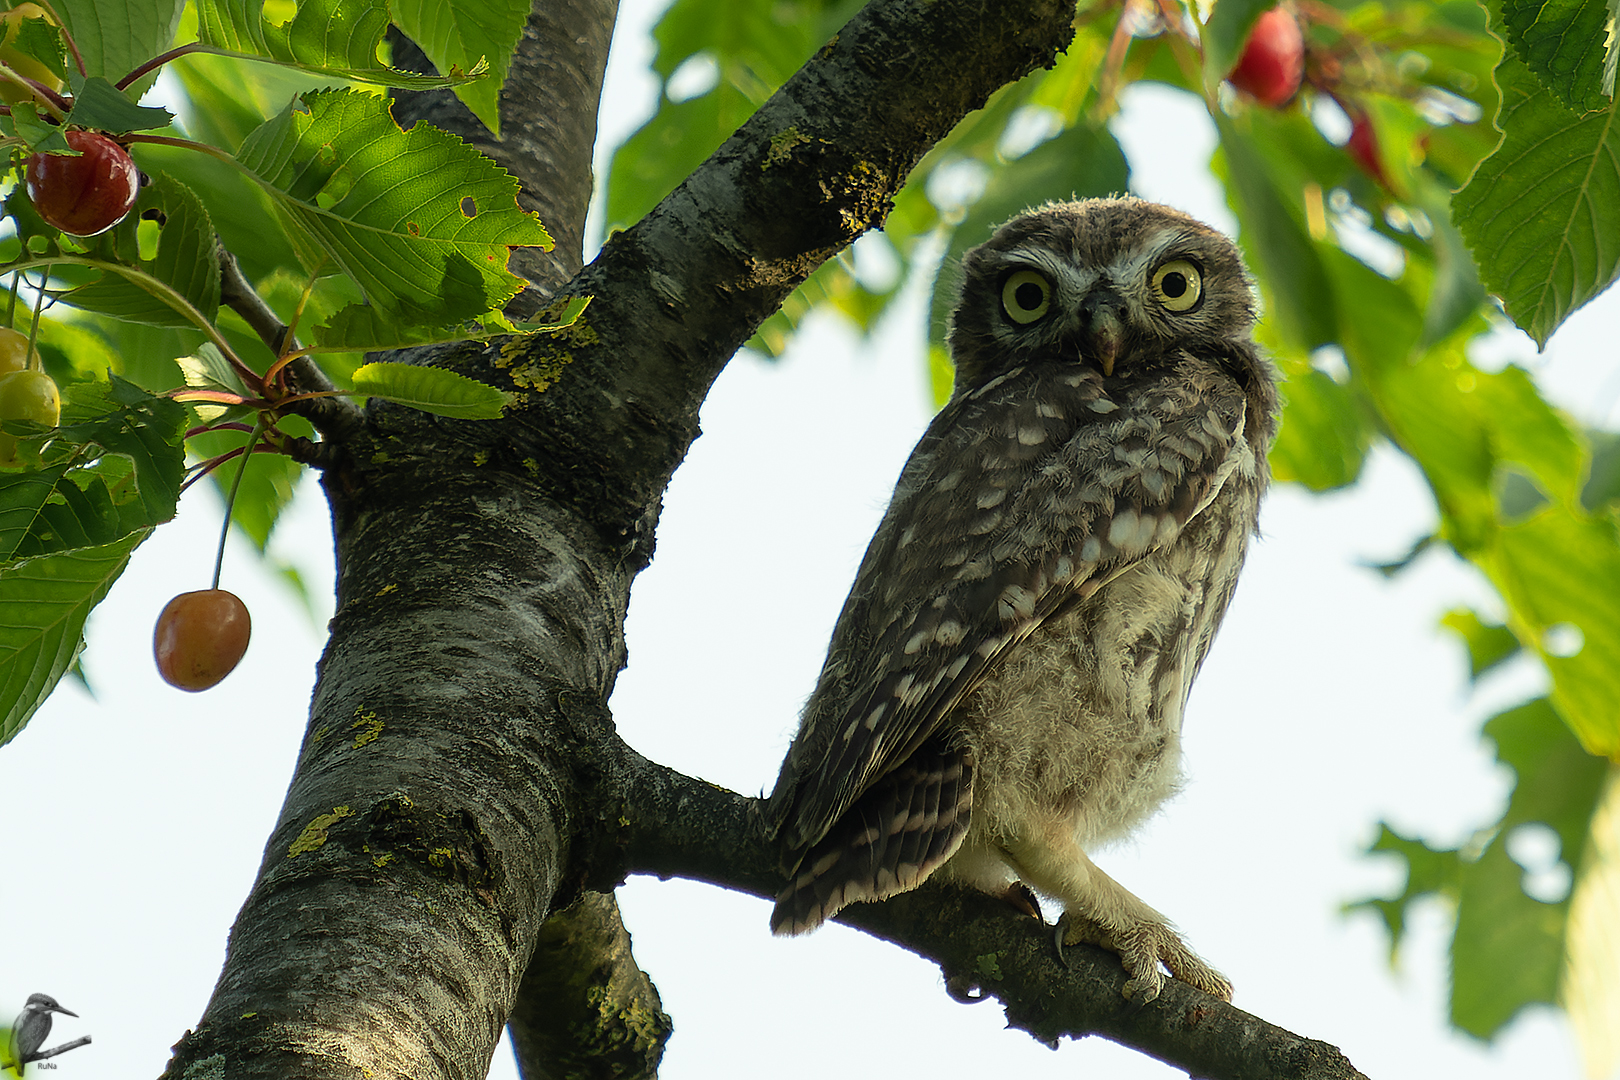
(1141, 950)
(1022, 897)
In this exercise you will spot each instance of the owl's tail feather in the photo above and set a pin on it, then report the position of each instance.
(896, 834)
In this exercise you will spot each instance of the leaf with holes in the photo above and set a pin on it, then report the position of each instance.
(185, 261)
(421, 221)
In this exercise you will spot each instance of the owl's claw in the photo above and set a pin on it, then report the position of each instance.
(1023, 898)
(1141, 948)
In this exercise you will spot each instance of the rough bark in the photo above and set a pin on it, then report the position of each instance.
(461, 778)
(561, 1019)
(585, 1010)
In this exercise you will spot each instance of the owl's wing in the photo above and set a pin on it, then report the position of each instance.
(1023, 498)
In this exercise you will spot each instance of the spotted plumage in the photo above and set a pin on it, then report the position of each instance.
(1005, 684)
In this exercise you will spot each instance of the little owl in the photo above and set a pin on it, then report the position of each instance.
(1004, 688)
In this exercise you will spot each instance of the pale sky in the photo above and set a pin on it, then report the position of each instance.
(1330, 699)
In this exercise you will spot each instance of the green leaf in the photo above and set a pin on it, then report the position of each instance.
(1590, 988)
(1602, 490)
(41, 40)
(460, 37)
(1561, 41)
(39, 135)
(185, 260)
(1323, 440)
(421, 221)
(207, 369)
(361, 327)
(1429, 871)
(1457, 293)
(99, 104)
(1488, 643)
(1278, 244)
(1560, 572)
(1542, 214)
(1529, 433)
(434, 390)
(664, 151)
(43, 605)
(114, 38)
(562, 314)
(239, 209)
(1508, 950)
(334, 37)
(755, 45)
(116, 467)
(1611, 58)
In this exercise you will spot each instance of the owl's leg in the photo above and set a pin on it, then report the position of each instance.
(1100, 911)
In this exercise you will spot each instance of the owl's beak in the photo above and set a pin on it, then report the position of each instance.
(1102, 328)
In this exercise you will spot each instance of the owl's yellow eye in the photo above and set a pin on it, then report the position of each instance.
(1026, 296)
(1178, 285)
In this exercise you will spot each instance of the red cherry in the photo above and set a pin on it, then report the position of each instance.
(1273, 60)
(87, 194)
(200, 638)
(1363, 147)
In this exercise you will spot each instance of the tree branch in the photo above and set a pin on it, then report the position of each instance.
(682, 827)
(616, 397)
(585, 1010)
(331, 416)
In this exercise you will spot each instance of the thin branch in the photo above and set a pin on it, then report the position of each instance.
(684, 827)
(331, 416)
(42, 1055)
(158, 61)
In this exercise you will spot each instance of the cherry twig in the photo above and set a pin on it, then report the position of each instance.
(158, 61)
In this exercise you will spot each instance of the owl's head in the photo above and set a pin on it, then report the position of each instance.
(1108, 283)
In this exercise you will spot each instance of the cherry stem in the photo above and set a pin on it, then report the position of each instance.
(11, 312)
(157, 62)
(185, 144)
(39, 302)
(231, 425)
(230, 500)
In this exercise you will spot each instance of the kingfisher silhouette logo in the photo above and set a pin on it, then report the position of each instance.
(23, 1048)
